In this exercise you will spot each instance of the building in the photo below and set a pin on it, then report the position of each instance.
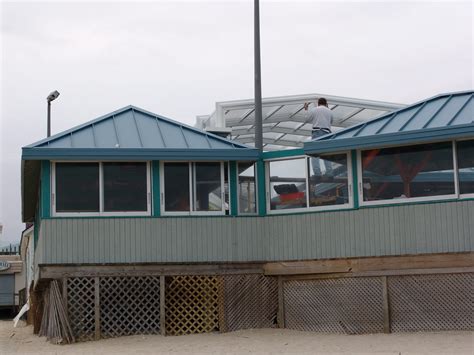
(153, 226)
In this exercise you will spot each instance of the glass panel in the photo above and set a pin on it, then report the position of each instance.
(125, 187)
(77, 187)
(408, 172)
(287, 184)
(247, 188)
(226, 189)
(208, 187)
(465, 152)
(176, 181)
(332, 187)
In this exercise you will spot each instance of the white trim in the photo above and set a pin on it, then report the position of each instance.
(101, 212)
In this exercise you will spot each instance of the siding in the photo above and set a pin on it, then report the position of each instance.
(395, 230)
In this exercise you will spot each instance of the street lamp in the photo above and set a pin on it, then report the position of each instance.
(51, 97)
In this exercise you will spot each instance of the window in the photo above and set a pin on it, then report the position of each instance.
(407, 172)
(90, 189)
(315, 183)
(465, 157)
(77, 187)
(247, 191)
(193, 188)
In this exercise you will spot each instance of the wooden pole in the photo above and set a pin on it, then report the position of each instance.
(386, 306)
(281, 304)
(162, 306)
(97, 307)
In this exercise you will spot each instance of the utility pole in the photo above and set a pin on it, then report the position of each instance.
(258, 79)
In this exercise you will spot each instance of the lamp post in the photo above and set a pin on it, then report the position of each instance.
(51, 97)
(258, 79)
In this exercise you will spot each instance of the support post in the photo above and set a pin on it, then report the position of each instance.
(64, 282)
(281, 304)
(386, 306)
(258, 79)
(97, 307)
(162, 306)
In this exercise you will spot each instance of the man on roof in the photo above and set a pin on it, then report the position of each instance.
(321, 118)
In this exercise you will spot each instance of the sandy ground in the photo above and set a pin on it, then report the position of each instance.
(261, 341)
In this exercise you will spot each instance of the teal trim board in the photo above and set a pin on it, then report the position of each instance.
(355, 182)
(156, 192)
(45, 190)
(233, 188)
(283, 153)
(261, 200)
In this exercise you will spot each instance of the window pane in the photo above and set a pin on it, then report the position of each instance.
(247, 190)
(465, 152)
(287, 184)
(407, 172)
(226, 189)
(208, 187)
(125, 187)
(332, 187)
(176, 186)
(77, 187)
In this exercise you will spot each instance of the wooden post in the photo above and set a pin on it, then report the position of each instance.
(162, 306)
(281, 304)
(97, 307)
(65, 294)
(386, 306)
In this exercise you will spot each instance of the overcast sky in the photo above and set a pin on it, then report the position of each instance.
(178, 58)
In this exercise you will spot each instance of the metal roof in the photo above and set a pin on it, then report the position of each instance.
(441, 117)
(285, 123)
(133, 133)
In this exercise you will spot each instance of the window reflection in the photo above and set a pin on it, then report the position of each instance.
(287, 184)
(408, 172)
(246, 188)
(176, 176)
(332, 186)
(208, 187)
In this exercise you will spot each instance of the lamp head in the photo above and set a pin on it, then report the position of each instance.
(53, 96)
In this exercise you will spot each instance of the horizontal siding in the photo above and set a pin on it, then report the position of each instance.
(396, 230)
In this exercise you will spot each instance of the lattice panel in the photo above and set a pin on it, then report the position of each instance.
(344, 305)
(432, 302)
(129, 305)
(80, 307)
(192, 304)
(250, 301)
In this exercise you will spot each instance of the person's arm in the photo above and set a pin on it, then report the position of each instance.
(306, 104)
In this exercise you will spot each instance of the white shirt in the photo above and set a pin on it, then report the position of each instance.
(321, 117)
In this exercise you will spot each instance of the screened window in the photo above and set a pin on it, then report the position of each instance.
(246, 188)
(125, 186)
(101, 188)
(176, 181)
(329, 186)
(287, 184)
(194, 187)
(407, 172)
(465, 156)
(77, 187)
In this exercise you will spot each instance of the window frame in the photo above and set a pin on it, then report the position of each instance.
(350, 180)
(192, 190)
(360, 190)
(101, 212)
(256, 190)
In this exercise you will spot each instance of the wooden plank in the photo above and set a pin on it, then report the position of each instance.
(162, 305)
(222, 319)
(64, 283)
(451, 260)
(386, 306)
(281, 304)
(97, 307)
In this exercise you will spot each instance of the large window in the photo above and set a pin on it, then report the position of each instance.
(310, 182)
(101, 188)
(247, 188)
(465, 156)
(194, 188)
(409, 172)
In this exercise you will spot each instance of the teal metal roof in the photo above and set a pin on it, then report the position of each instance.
(133, 133)
(442, 117)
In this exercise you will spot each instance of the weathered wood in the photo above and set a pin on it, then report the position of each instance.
(222, 319)
(281, 303)
(386, 305)
(162, 305)
(353, 265)
(97, 308)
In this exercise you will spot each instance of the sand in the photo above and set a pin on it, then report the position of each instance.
(255, 341)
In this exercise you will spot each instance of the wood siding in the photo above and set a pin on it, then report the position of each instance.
(396, 230)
